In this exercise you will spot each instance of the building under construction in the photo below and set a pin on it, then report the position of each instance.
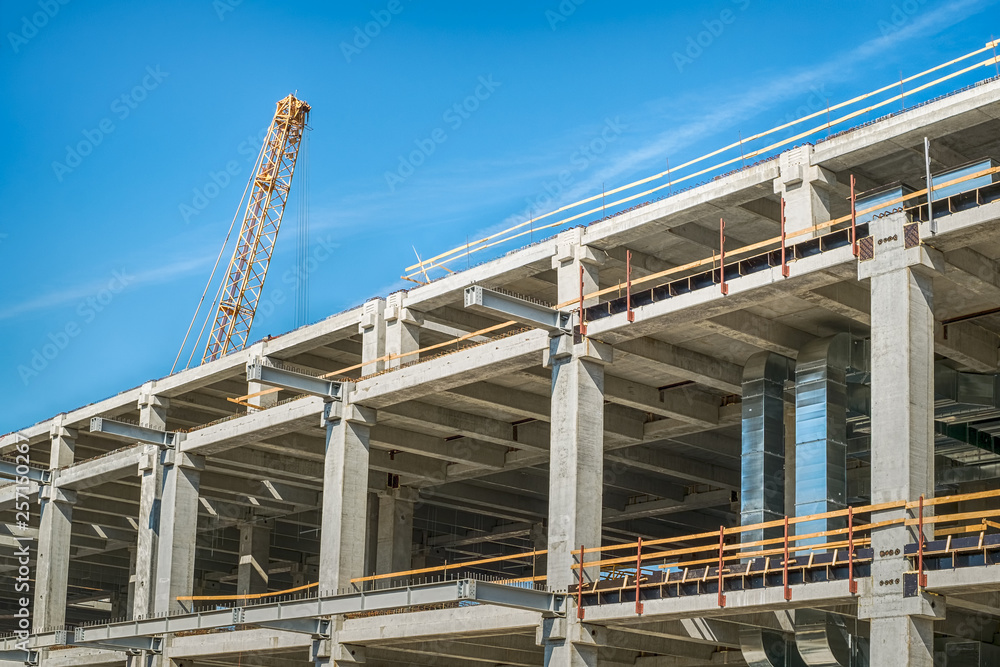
(754, 422)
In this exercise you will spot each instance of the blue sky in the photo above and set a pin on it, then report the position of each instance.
(105, 254)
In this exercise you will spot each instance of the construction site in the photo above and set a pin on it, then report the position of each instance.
(749, 420)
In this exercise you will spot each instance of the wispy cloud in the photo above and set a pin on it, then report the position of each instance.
(76, 293)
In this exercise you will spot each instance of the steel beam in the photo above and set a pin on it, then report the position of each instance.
(260, 371)
(526, 312)
(290, 613)
(8, 470)
(132, 432)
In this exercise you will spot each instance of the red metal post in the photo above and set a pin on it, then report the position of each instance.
(583, 324)
(788, 590)
(722, 544)
(784, 262)
(638, 573)
(854, 218)
(921, 577)
(628, 289)
(579, 588)
(722, 257)
(852, 585)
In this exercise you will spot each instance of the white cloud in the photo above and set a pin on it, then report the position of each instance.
(77, 293)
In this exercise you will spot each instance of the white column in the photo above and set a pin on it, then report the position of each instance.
(402, 330)
(808, 190)
(54, 534)
(902, 462)
(395, 530)
(372, 330)
(178, 529)
(345, 495)
(255, 550)
(576, 467)
(142, 582)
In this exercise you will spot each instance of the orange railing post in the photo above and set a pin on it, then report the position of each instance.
(630, 316)
(722, 257)
(583, 325)
(579, 588)
(722, 546)
(638, 573)
(788, 590)
(784, 261)
(921, 577)
(854, 219)
(852, 585)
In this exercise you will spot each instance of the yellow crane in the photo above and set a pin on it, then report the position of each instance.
(269, 186)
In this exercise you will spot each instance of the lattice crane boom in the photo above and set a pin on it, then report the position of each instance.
(269, 190)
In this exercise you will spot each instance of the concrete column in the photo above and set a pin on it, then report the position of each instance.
(255, 550)
(372, 330)
(567, 642)
(371, 534)
(570, 256)
(902, 459)
(576, 472)
(345, 495)
(539, 537)
(142, 582)
(402, 330)
(395, 530)
(264, 400)
(808, 190)
(54, 534)
(175, 554)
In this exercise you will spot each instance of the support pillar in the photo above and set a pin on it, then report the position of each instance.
(576, 467)
(263, 401)
(402, 331)
(395, 530)
(54, 534)
(142, 581)
(178, 529)
(255, 550)
(902, 367)
(372, 330)
(345, 495)
(808, 190)
(570, 256)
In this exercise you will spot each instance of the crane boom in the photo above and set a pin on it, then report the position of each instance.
(248, 267)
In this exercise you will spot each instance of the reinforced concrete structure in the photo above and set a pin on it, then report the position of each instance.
(788, 459)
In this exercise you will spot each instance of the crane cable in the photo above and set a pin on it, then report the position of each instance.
(215, 268)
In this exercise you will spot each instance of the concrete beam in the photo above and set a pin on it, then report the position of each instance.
(94, 472)
(473, 364)
(254, 427)
(759, 331)
(698, 367)
(969, 344)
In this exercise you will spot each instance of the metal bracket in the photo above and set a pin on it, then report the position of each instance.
(132, 432)
(259, 371)
(519, 309)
